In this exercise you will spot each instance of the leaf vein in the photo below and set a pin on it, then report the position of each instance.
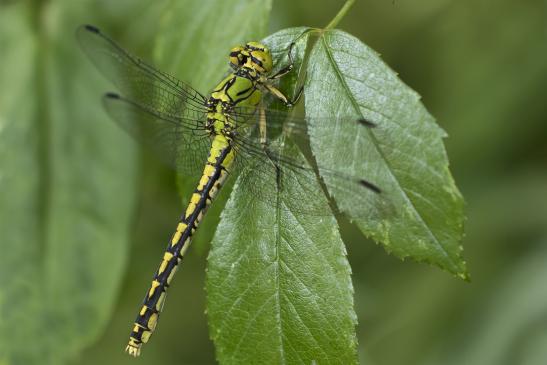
(395, 179)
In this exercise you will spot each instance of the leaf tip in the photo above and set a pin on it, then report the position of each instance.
(464, 273)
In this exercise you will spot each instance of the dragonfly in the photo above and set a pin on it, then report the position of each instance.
(210, 137)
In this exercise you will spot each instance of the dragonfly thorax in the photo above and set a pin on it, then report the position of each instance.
(234, 90)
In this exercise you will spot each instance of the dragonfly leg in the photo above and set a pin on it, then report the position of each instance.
(282, 97)
(296, 97)
(285, 70)
(262, 127)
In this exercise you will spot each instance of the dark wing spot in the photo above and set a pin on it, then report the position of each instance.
(112, 96)
(91, 28)
(366, 123)
(370, 186)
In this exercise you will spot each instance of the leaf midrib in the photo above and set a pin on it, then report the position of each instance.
(277, 281)
(355, 105)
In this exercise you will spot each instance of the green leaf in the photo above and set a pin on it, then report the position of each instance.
(278, 282)
(245, 278)
(68, 175)
(404, 155)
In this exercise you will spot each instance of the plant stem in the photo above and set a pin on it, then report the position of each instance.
(334, 22)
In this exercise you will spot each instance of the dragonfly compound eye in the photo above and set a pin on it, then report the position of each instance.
(238, 57)
(261, 58)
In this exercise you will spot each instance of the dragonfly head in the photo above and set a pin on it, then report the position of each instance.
(253, 56)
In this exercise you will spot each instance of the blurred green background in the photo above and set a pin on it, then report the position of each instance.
(73, 185)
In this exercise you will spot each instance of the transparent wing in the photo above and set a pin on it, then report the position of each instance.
(180, 140)
(281, 165)
(169, 116)
(286, 121)
(157, 108)
(136, 79)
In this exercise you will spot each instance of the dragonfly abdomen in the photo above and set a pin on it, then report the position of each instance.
(214, 174)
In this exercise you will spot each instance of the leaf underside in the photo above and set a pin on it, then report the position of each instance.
(404, 154)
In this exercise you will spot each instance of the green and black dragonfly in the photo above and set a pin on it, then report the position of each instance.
(227, 132)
